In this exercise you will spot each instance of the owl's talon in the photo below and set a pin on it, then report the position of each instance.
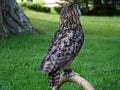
(67, 71)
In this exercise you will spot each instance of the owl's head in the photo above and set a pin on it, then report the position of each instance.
(70, 15)
(70, 11)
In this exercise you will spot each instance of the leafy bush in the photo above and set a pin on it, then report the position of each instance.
(84, 10)
(104, 10)
(57, 9)
(36, 7)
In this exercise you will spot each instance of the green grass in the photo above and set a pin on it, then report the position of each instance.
(98, 60)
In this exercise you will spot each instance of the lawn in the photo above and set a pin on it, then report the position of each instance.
(98, 60)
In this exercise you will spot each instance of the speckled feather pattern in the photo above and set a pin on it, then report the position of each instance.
(65, 45)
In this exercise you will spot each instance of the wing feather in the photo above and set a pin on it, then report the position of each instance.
(64, 45)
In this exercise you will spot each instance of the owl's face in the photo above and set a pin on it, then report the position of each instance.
(70, 12)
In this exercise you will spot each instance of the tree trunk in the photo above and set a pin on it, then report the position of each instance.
(12, 19)
(113, 4)
(2, 25)
(86, 1)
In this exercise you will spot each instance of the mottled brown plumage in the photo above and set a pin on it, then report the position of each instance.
(65, 45)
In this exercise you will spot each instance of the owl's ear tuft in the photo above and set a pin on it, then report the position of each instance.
(72, 5)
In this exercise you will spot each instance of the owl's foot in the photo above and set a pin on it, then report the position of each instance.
(67, 71)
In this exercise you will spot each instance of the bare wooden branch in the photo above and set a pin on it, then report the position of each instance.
(76, 78)
(110, 84)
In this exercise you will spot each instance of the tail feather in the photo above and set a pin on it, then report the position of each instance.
(53, 79)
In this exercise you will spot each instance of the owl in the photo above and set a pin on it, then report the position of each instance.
(64, 46)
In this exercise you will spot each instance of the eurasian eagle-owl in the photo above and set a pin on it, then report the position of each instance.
(65, 44)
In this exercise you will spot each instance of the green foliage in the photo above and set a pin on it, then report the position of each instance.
(34, 1)
(98, 60)
(36, 7)
(105, 10)
(95, 7)
(73, 1)
(84, 11)
(57, 9)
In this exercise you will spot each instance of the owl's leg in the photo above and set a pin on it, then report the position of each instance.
(53, 78)
(67, 71)
(67, 68)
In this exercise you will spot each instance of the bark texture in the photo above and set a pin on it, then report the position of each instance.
(76, 78)
(12, 19)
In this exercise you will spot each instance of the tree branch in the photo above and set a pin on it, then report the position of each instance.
(76, 78)
(110, 84)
